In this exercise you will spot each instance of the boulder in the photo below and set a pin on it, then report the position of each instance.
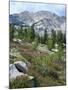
(30, 77)
(19, 41)
(55, 50)
(21, 66)
(15, 40)
(13, 72)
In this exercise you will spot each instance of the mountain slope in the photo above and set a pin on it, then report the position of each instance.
(40, 19)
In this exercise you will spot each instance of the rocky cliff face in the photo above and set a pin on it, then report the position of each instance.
(40, 19)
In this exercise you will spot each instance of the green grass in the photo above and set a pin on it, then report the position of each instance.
(20, 82)
(48, 70)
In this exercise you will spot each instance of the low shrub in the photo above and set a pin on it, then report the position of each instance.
(20, 82)
(52, 73)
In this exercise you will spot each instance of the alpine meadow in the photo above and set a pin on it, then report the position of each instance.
(37, 51)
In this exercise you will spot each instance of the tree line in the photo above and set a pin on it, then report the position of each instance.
(29, 34)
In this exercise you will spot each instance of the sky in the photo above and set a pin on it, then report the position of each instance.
(18, 7)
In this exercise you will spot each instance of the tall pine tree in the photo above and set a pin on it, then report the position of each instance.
(53, 37)
(45, 36)
(11, 31)
(32, 33)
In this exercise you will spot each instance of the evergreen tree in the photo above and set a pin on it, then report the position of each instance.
(36, 41)
(38, 37)
(45, 36)
(11, 31)
(32, 34)
(20, 33)
(53, 37)
(42, 39)
(29, 34)
(50, 43)
(64, 38)
(25, 34)
(60, 38)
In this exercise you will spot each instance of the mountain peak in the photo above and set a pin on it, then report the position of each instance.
(44, 19)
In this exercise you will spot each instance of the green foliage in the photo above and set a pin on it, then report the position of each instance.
(29, 34)
(53, 37)
(45, 36)
(60, 54)
(52, 73)
(20, 33)
(32, 33)
(50, 43)
(35, 44)
(44, 68)
(20, 82)
(60, 38)
(11, 31)
(64, 38)
(38, 37)
(25, 34)
(42, 40)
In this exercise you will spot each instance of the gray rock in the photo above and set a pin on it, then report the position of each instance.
(21, 66)
(40, 19)
(13, 72)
